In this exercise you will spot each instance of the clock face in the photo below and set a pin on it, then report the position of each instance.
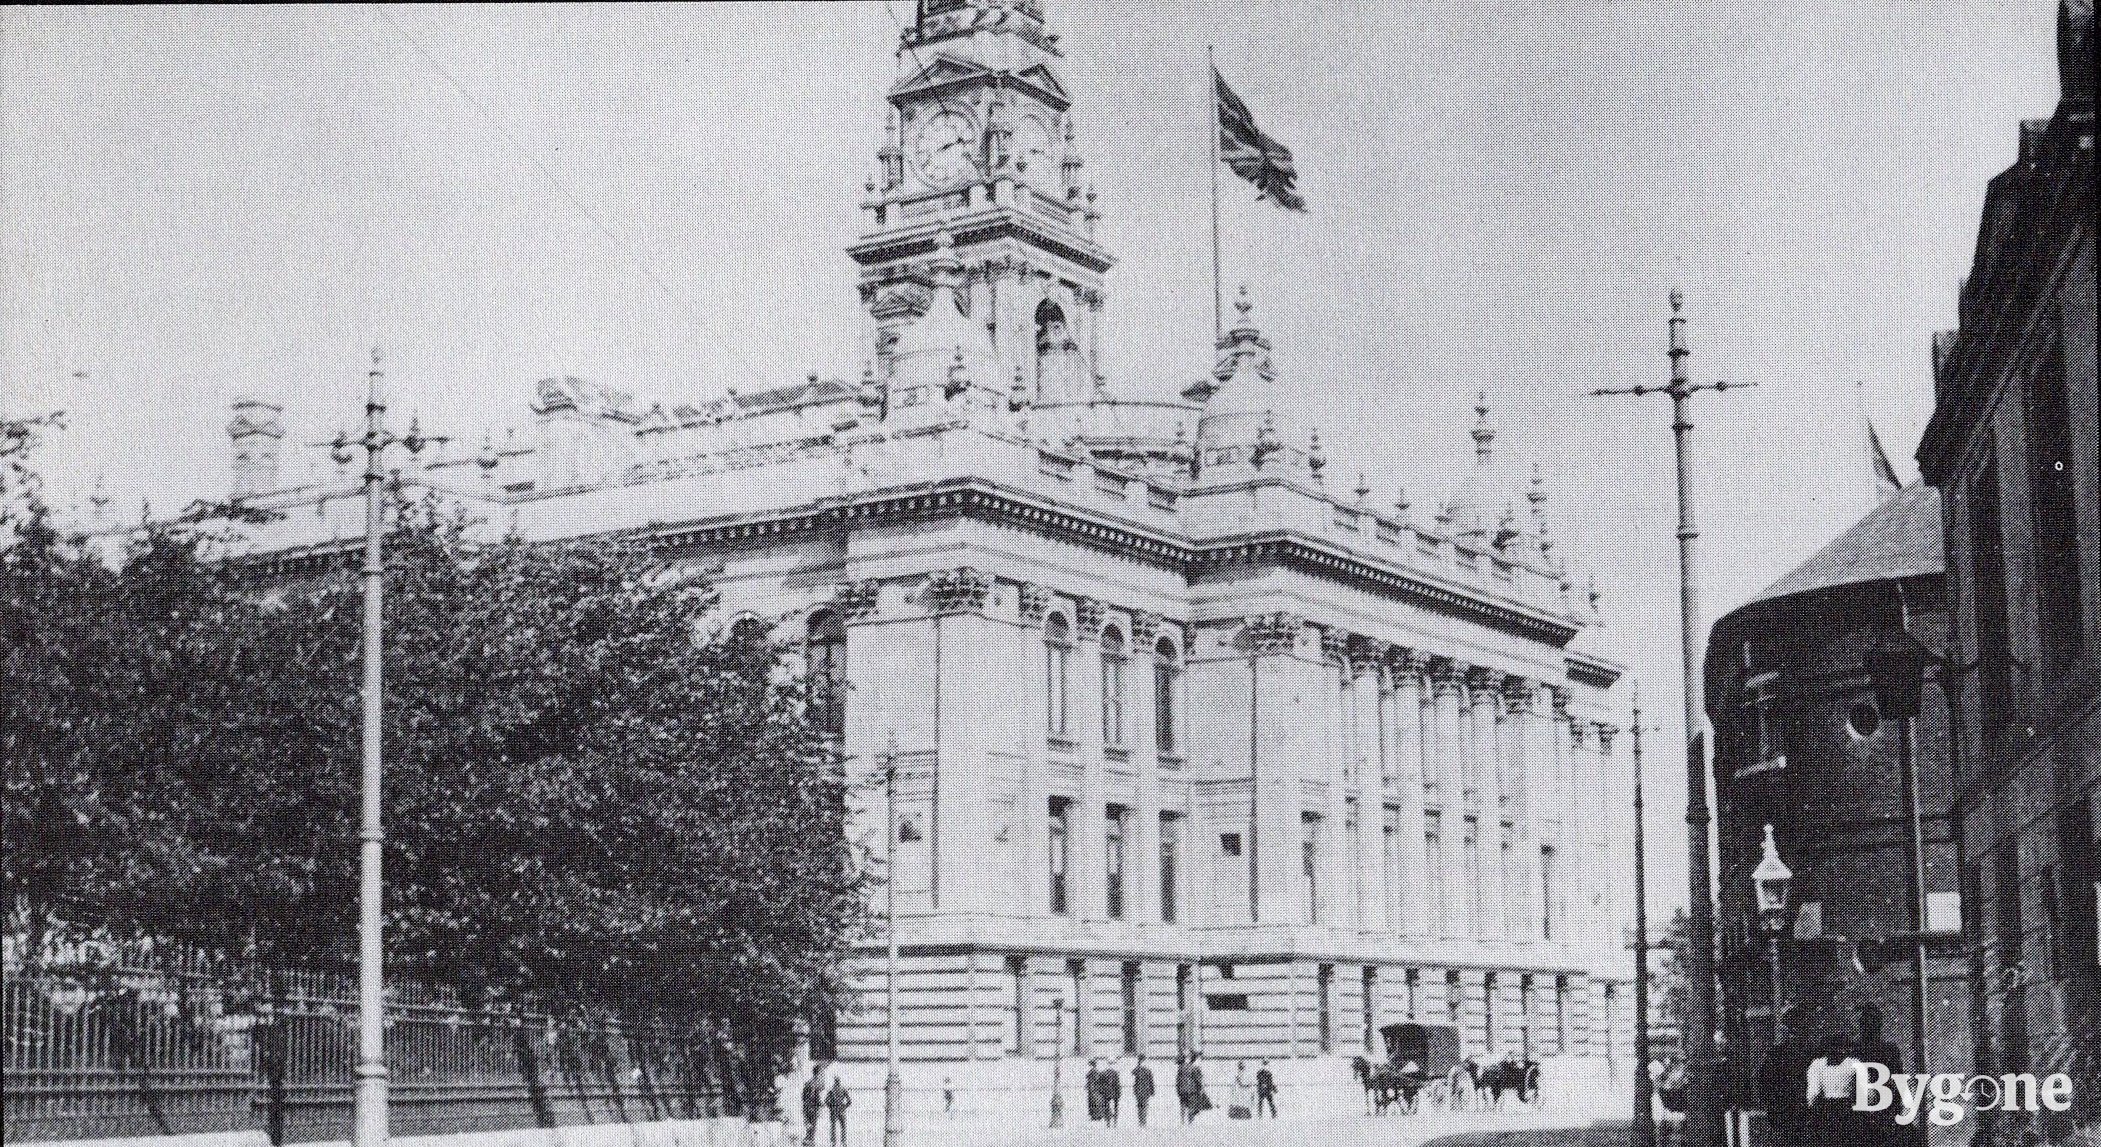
(944, 147)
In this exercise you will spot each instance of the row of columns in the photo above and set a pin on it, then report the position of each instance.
(1500, 768)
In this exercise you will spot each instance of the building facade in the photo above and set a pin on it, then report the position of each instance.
(1801, 745)
(1193, 750)
(2012, 448)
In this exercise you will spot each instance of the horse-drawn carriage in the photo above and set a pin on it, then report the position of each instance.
(1417, 1056)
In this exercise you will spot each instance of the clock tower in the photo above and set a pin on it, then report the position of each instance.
(978, 205)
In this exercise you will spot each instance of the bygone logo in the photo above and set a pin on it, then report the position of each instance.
(1946, 1098)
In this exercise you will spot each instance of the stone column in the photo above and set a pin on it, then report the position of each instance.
(1458, 919)
(1583, 879)
(1286, 686)
(1406, 667)
(1560, 815)
(1366, 660)
(1034, 798)
(1484, 701)
(1612, 868)
(1337, 866)
(1088, 836)
(1142, 843)
(1526, 758)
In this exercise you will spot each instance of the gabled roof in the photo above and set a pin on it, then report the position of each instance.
(1900, 538)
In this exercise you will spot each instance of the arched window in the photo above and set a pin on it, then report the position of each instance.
(825, 655)
(1167, 673)
(1112, 687)
(1051, 328)
(1057, 658)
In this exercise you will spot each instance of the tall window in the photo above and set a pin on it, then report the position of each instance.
(1988, 590)
(1368, 1002)
(1324, 988)
(1488, 1010)
(1433, 848)
(2056, 540)
(1118, 819)
(1112, 688)
(1471, 844)
(1130, 1009)
(1018, 977)
(1413, 982)
(1309, 863)
(1057, 663)
(1546, 892)
(825, 654)
(1060, 852)
(1560, 1014)
(1167, 674)
(1170, 865)
(1077, 970)
(1452, 992)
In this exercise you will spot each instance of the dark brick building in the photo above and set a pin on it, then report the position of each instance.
(2013, 448)
(1801, 745)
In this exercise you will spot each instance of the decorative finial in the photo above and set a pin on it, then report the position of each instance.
(1537, 495)
(1484, 434)
(1677, 300)
(1244, 305)
(1316, 458)
(1363, 490)
(1400, 504)
(487, 459)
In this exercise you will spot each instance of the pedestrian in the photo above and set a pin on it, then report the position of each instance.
(1781, 1076)
(1240, 1101)
(1142, 1087)
(1265, 1090)
(1189, 1087)
(1112, 1093)
(948, 1097)
(837, 1100)
(812, 1104)
(1831, 1078)
(1096, 1100)
(1869, 1046)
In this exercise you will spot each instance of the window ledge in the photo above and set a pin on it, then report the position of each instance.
(1170, 757)
(1062, 744)
(1116, 752)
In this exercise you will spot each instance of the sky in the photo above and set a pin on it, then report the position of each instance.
(198, 204)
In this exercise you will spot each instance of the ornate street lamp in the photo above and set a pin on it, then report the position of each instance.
(1896, 665)
(1770, 883)
(893, 1086)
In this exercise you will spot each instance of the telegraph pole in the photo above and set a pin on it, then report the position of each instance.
(1703, 1117)
(893, 1086)
(1644, 1103)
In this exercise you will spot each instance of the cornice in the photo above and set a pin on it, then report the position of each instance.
(997, 221)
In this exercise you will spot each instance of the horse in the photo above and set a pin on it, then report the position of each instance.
(1386, 1086)
(1520, 1078)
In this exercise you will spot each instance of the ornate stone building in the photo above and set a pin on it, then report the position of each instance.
(2014, 447)
(1195, 750)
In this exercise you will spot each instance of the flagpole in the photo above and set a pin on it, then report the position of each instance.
(1218, 294)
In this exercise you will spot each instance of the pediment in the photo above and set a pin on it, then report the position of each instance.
(943, 71)
(1040, 76)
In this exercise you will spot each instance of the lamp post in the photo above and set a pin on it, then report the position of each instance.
(1770, 882)
(893, 1086)
(1703, 1121)
(1896, 662)
(1644, 1115)
(369, 1102)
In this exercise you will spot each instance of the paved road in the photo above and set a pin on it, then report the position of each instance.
(1342, 1130)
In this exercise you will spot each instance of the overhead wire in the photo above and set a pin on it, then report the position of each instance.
(547, 172)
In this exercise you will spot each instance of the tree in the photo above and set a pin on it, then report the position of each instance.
(597, 800)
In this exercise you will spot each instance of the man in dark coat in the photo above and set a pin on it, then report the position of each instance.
(1871, 1046)
(812, 1104)
(1097, 1095)
(1189, 1088)
(1142, 1087)
(837, 1100)
(1112, 1092)
(1780, 1078)
(1265, 1090)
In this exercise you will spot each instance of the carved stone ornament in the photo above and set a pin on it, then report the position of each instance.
(1335, 645)
(1578, 733)
(956, 590)
(1088, 615)
(1606, 732)
(1485, 681)
(858, 599)
(1518, 695)
(1446, 674)
(1406, 664)
(1366, 654)
(1035, 602)
(1273, 632)
(1561, 700)
(1145, 625)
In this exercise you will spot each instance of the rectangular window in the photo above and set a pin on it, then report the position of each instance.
(1170, 866)
(1324, 989)
(1165, 683)
(1546, 891)
(1060, 853)
(1114, 832)
(2050, 503)
(1077, 971)
(1988, 589)
(1412, 982)
(1471, 868)
(1057, 667)
(1229, 843)
(1488, 1011)
(2006, 895)
(1309, 863)
(1452, 989)
(1112, 699)
(1561, 1014)
(1018, 1031)
(1185, 1032)
(1368, 1000)
(1433, 848)
(1130, 1009)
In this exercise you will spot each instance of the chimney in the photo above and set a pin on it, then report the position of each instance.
(257, 429)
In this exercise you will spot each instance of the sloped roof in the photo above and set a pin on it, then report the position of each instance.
(1900, 538)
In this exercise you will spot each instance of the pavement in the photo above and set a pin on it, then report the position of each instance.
(1340, 1129)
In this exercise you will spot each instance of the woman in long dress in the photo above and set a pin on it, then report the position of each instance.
(1242, 1104)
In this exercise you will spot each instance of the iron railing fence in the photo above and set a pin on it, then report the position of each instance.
(107, 1041)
